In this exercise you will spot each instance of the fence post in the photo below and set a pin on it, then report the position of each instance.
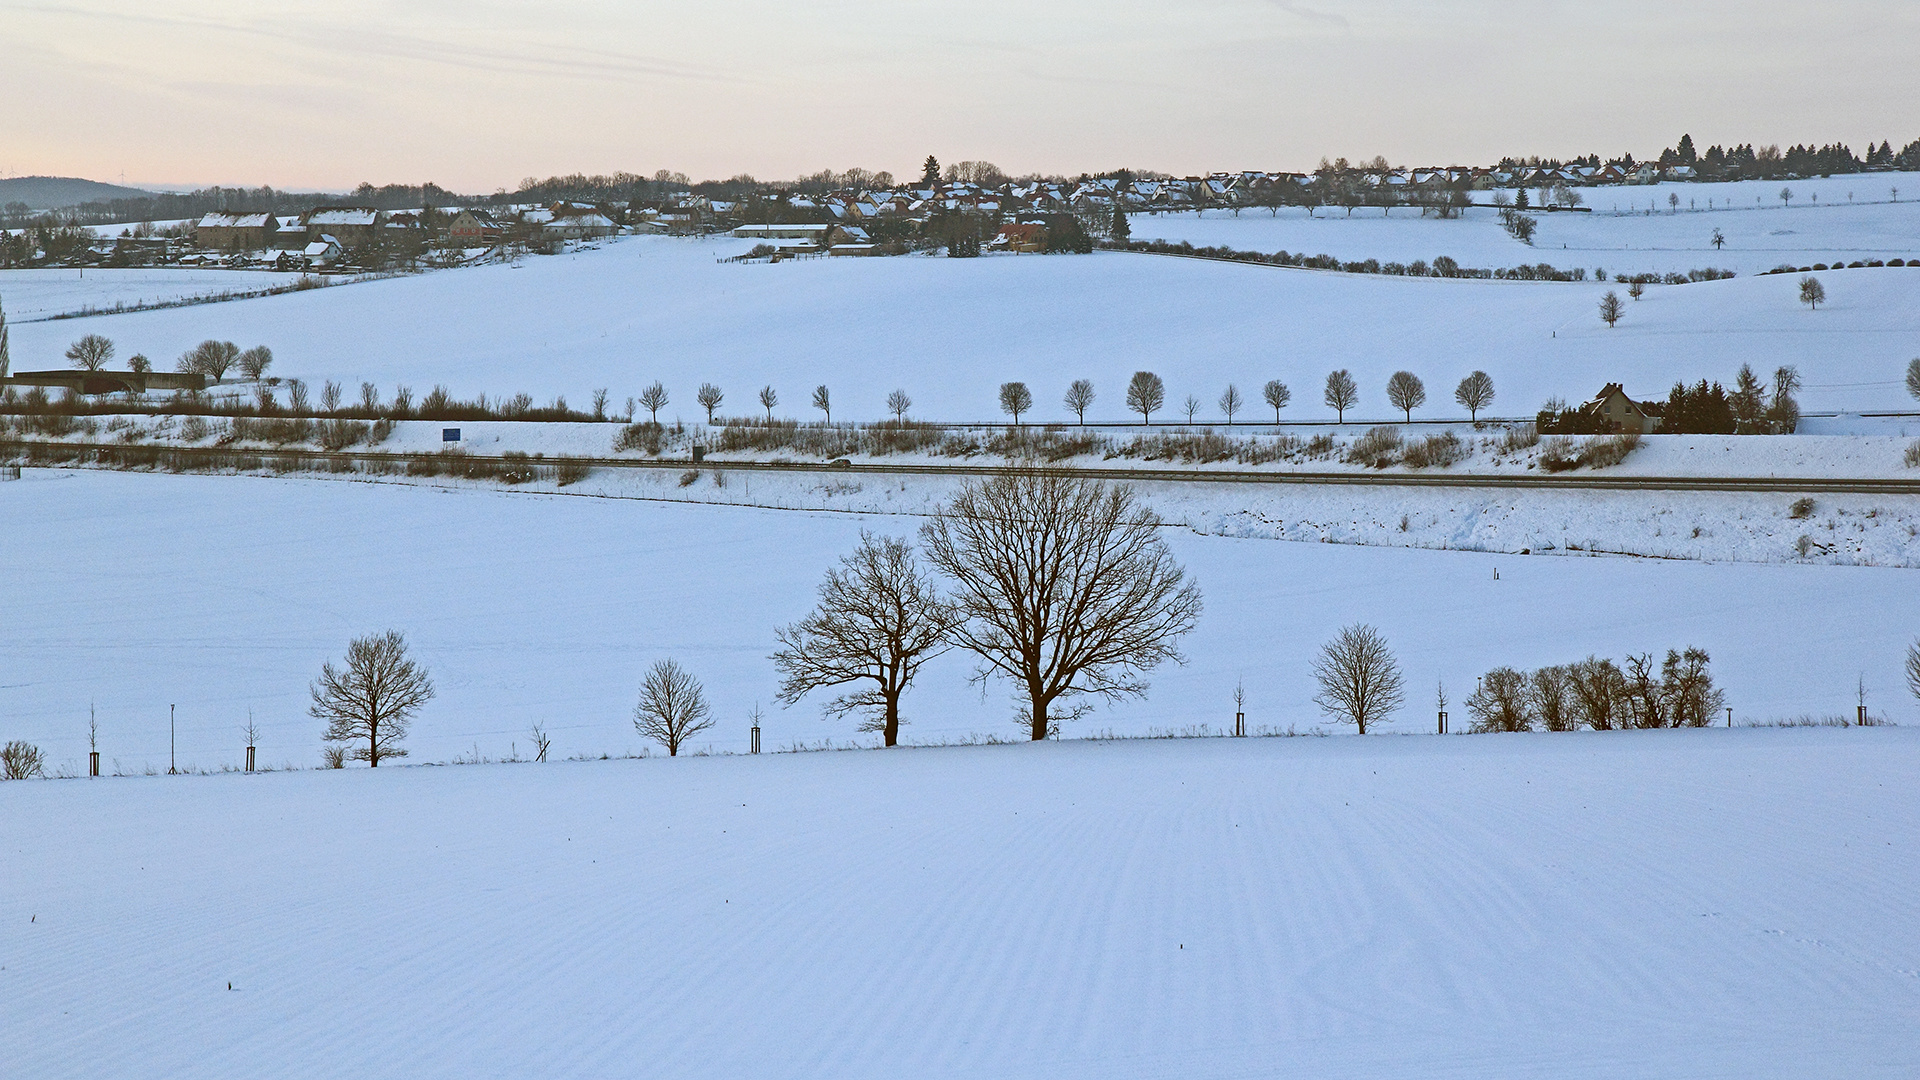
(1860, 716)
(1443, 723)
(754, 744)
(249, 759)
(1729, 716)
(1239, 725)
(93, 763)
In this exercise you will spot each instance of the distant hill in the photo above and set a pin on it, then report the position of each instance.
(58, 192)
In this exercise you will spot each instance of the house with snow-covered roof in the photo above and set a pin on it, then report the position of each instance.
(236, 232)
(350, 226)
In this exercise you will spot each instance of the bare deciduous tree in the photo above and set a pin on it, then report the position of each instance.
(1646, 705)
(1015, 398)
(330, 396)
(1474, 393)
(1277, 395)
(1636, 288)
(1913, 668)
(90, 353)
(541, 743)
(879, 618)
(373, 699)
(255, 361)
(1062, 586)
(1080, 397)
(370, 399)
(1230, 402)
(1611, 309)
(1599, 693)
(1812, 293)
(823, 401)
(1341, 393)
(1145, 393)
(1406, 392)
(768, 399)
(1913, 378)
(1691, 699)
(210, 358)
(709, 397)
(672, 708)
(1500, 702)
(600, 404)
(898, 403)
(653, 399)
(1551, 699)
(1359, 680)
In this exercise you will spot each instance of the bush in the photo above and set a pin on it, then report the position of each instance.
(1801, 509)
(339, 434)
(571, 471)
(1608, 450)
(195, 428)
(690, 478)
(1559, 454)
(1435, 451)
(1913, 455)
(1519, 437)
(646, 437)
(1377, 449)
(21, 761)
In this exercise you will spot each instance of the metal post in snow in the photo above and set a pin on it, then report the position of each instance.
(754, 744)
(249, 759)
(1729, 716)
(1443, 723)
(93, 763)
(170, 768)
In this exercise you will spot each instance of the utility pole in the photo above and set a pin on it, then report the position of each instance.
(170, 768)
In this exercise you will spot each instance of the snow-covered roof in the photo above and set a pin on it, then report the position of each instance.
(239, 221)
(344, 215)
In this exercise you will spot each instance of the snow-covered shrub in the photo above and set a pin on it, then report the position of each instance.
(1606, 450)
(21, 761)
(646, 437)
(340, 434)
(1377, 449)
(333, 756)
(194, 428)
(1913, 455)
(1801, 509)
(689, 478)
(1519, 437)
(1321, 445)
(570, 471)
(1435, 451)
(1261, 451)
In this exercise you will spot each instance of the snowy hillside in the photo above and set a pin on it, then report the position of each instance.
(31, 295)
(222, 595)
(949, 331)
(1619, 235)
(1702, 904)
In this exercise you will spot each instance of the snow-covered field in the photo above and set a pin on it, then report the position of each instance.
(29, 295)
(1619, 236)
(949, 331)
(1710, 904)
(222, 595)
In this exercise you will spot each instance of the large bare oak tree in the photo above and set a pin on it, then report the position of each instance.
(879, 618)
(1062, 586)
(373, 699)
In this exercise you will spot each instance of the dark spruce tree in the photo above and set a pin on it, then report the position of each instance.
(930, 172)
(1121, 232)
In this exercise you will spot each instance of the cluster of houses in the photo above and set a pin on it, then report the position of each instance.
(1011, 214)
(330, 235)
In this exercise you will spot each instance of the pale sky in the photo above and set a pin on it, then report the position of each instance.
(476, 95)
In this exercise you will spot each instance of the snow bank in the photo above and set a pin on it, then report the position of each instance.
(1703, 904)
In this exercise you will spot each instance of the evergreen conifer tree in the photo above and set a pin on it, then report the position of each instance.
(930, 172)
(1121, 231)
